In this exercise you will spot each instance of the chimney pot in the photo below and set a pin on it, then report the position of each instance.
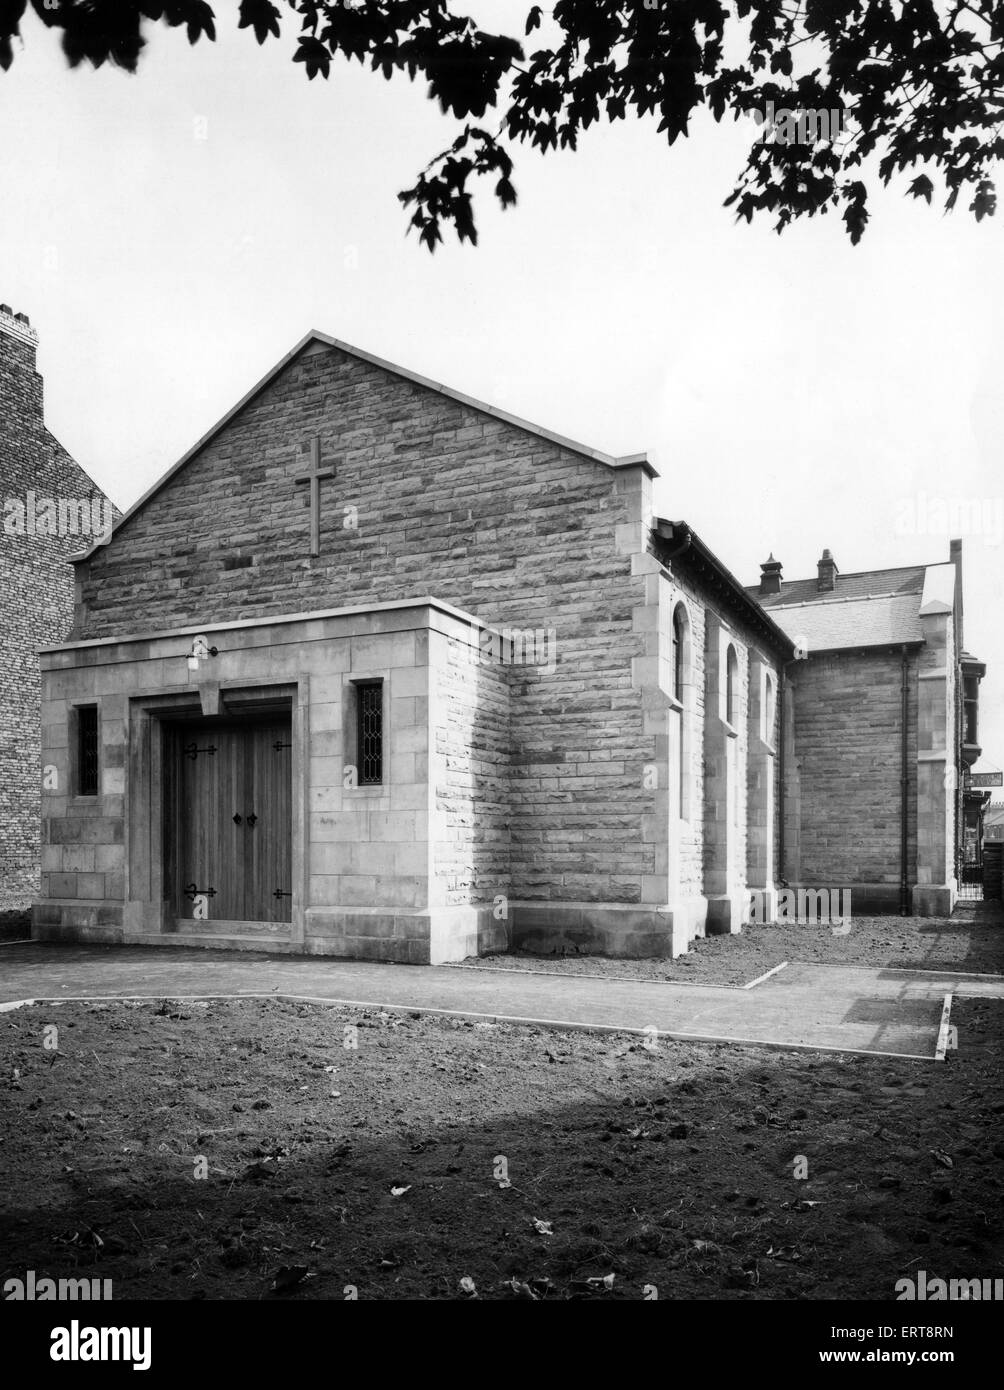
(770, 576)
(827, 570)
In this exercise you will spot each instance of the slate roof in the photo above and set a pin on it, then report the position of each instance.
(861, 622)
(872, 608)
(908, 579)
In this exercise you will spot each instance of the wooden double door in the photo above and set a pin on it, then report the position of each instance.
(232, 821)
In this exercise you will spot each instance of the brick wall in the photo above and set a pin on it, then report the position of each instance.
(37, 605)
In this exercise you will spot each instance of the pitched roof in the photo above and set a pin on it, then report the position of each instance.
(853, 622)
(908, 579)
(869, 608)
(314, 336)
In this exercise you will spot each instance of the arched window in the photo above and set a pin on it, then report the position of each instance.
(679, 648)
(681, 675)
(732, 686)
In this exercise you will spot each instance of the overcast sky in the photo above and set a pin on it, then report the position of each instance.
(171, 235)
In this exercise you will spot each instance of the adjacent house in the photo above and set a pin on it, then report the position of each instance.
(49, 510)
(880, 721)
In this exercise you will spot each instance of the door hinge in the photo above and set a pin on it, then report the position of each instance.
(192, 892)
(192, 751)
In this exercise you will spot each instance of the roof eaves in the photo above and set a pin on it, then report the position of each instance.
(611, 460)
(891, 644)
(745, 602)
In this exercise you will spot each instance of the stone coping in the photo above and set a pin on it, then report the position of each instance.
(275, 620)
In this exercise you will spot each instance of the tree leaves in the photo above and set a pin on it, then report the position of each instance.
(200, 21)
(260, 15)
(11, 12)
(855, 212)
(985, 202)
(505, 193)
(314, 56)
(915, 83)
(441, 194)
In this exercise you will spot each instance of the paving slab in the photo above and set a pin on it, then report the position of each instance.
(848, 1008)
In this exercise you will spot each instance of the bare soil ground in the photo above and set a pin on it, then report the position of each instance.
(972, 940)
(532, 1162)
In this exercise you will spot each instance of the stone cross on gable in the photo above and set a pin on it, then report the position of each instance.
(313, 477)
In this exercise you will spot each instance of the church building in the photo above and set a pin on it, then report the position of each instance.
(380, 671)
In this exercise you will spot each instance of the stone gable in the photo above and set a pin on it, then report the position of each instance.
(446, 500)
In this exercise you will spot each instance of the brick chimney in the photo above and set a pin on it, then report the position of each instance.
(955, 557)
(828, 572)
(20, 383)
(770, 576)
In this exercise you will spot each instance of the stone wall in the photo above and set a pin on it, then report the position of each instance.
(844, 774)
(471, 778)
(431, 497)
(710, 628)
(691, 829)
(405, 869)
(936, 886)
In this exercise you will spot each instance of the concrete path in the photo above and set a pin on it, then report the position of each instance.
(815, 1006)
